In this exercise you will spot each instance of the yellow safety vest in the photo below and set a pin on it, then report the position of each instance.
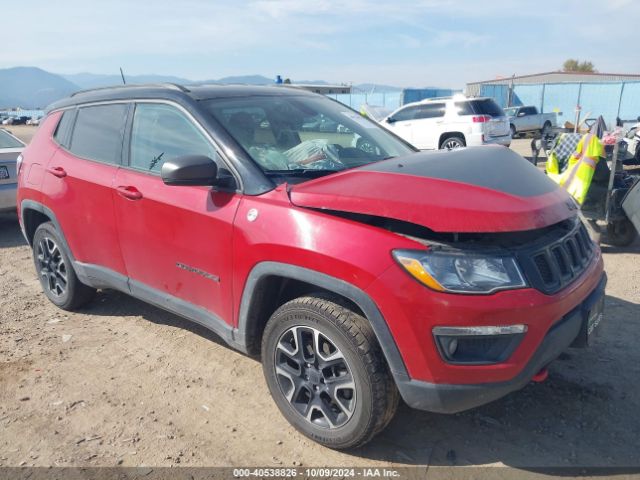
(576, 179)
(552, 167)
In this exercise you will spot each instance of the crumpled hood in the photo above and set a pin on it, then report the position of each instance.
(476, 189)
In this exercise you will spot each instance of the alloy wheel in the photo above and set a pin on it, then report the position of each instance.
(452, 144)
(314, 377)
(52, 267)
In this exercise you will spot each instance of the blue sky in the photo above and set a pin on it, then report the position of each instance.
(406, 43)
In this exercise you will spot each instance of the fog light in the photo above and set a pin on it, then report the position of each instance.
(482, 345)
(452, 347)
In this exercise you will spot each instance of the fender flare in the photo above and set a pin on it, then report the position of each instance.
(39, 207)
(332, 284)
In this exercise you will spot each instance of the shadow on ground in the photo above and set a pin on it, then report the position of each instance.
(10, 234)
(584, 415)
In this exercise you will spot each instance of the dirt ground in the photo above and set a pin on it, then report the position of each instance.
(124, 383)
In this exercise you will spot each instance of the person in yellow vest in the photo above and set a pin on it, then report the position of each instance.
(576, 178)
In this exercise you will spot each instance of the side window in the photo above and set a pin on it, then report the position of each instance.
(464, 108)
(98, 132)
(405, 114)
(430, 110)
(162, 132)
(63, 130)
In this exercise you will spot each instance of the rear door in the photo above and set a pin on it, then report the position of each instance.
(176, 240)
(79, 179)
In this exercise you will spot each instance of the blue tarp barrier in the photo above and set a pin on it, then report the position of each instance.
(611, 99)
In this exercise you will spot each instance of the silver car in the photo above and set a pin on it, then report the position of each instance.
(10, 149)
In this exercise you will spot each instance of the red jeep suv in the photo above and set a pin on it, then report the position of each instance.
(360, 270)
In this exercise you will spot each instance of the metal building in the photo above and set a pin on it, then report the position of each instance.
(473, 88)
(614, 96)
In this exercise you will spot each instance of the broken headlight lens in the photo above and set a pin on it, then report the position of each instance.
(456, 272)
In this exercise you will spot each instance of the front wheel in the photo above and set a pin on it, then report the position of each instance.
(326, 372)
(58, 279)
(621, 233)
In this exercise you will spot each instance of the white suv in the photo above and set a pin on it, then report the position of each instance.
(451, 122)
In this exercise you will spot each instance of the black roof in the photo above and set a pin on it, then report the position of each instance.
(172, 91)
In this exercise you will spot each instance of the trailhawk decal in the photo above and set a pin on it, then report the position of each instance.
(202, 273)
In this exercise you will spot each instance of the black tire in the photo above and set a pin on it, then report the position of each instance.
(452, 142)
(621, 233)
(370, 396)
(57, 277)
(513, 131)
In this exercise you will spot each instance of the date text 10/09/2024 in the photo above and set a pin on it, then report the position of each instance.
(316, 472)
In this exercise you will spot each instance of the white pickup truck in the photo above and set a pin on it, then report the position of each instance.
(527, 119)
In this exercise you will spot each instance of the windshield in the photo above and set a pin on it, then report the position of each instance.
(7, 141)
(293, 135)
(510, 112)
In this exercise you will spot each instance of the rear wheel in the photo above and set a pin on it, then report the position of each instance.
(621, 233)
(57, 277)
(326, 372)
(545, 128)
(452, 143)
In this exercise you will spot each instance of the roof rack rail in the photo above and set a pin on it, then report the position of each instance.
(448, 97)
(173, 86)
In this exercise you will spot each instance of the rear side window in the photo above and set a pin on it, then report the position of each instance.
(63, 130)
(486, 106)
(161, 132)
(98, 133)
(430, 110)
(464, 108)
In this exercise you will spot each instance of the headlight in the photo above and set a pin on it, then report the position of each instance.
(456, 272)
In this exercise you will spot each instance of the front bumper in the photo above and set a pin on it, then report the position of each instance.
(447, 398)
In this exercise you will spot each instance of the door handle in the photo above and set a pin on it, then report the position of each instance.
(57, 172)
(129, 192)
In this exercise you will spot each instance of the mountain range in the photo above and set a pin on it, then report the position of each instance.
(32, 87)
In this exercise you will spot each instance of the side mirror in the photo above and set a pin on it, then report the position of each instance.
(190, 170)
(390, 120)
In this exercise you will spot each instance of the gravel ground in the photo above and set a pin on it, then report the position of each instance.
(123, 383)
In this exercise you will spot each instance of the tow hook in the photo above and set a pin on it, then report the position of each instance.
(541, 376)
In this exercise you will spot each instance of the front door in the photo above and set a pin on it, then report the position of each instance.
(401, 123)
(175, 240)
(427, 126)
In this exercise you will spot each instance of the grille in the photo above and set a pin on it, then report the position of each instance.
(553, 266)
